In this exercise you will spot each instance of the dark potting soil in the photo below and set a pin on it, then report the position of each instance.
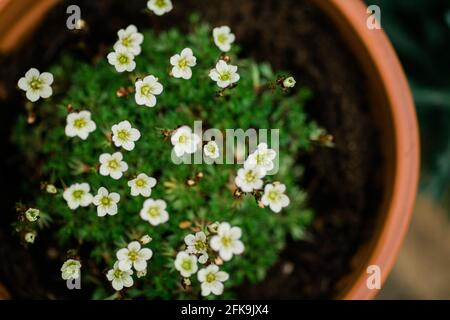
(343, 183)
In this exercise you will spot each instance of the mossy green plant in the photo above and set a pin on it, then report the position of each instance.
(196, 195)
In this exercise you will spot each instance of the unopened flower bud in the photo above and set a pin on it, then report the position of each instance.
(142, 273)
(32, 214)
(145, 239)
(30, 236)
(213, 227)
(50, 188)
(289, 82)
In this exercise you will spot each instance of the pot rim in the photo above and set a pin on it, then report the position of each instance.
(373, 46)
(350, 18)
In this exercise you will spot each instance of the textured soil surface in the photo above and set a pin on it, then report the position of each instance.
(292, 35)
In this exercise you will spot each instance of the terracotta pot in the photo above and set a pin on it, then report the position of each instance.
(392, 108)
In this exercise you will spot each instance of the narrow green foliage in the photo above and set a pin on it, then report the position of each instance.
(60, 160)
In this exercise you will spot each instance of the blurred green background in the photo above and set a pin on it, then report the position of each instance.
(420, 32)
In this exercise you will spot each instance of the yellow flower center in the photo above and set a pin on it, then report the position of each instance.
(35, 84)
(199, 245)
(153, 212)
(117, 273)
(182, 63)
(211, 148)
(273, 195)
(105, 201)
(187, 264)
(80, 123)
(78, 194)
(145, 90)
(133, 255)
(225, 76)
(140, 182)
(123, 134)
(222, 38)
(210, 277)
(250, 176)
(226, 241)
(112, 164)
(259, 158)
(160, 3)
(123, 59)
(126, 41)
(182, 139)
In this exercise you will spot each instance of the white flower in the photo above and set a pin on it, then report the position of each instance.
(223, 38)
(142, 185)
(79, 124)
(186, 264)
(124, 135)
(289, 82)
(274, 197)
(227, 242)
(211, 280)
(36, 85)
(154, 211)
(146, 91)
(77, 195)
(30, 237)
(134, 256)
(122, 60)
(182, 64)
(262, 158)
(129, 40)
(196, 244)
(224, 74)
(249, 178)
(71, 269)
(112, 165)
(32, 214)
(159, 7)
(120, 278)
(106, 202)
(184, 141)
(211, 149)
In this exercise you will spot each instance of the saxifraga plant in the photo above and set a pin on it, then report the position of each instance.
(119, 209)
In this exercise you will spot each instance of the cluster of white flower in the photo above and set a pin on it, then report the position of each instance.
(127, 47)
(249, 178)
(226, 242)
(129, 258)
